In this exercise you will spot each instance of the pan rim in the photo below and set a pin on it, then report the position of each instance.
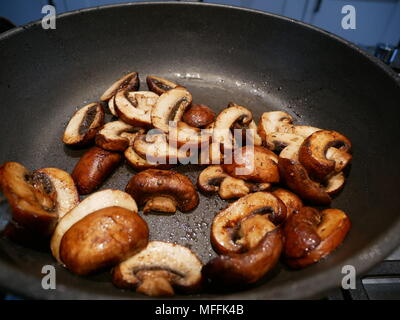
(27, 285)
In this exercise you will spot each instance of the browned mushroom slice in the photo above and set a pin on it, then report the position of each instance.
(279, 141)
(296, 178)
(312, 153)
(111, 135)
(138, 163)
(274, 121)
(159, 269)
(247, 267)
(163, 191)
(210, 178)
(335, 183)
(232, 230)
(292, 202)
(199, 116)
(111, 106)
(159, 85)
(341, 158)
(103, 239)
(304, 131)
(130, 82)
(232, 188)
(311, 235)
(96, 201)
(155, 149)
(135, 108)
(84, 124)
(254, 163)
(37, 199)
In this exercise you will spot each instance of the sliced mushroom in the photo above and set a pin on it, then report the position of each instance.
(155, 149)
(93, 168)
(279, 141)
(110, 136)
(274, 121)
(304, 131)
(342, 158)
(311, 235)
(174, 189)
(249, 267)
(210, 178)
(111, 106)
(335, 183)
(232, 188)
(248, 134)
(135, 108)
(138, 163)
(96, 201)
(296, 178)
(39, 198)
(199, 116)
(231, 233)
(84, 124)
(159, 85)
(254, 163)
(130, 82)
(312, 153)
(159, 269)
(292, 202)
(103, 239)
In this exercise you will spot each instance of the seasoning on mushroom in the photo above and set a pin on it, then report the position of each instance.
(129, 82)
(159, 269)
(84, 124)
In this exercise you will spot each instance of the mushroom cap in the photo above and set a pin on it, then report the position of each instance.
(103, 239)
(37, 199)
(210, 178)
(159, 268)
(159, 85)
(226, 225)
(199, 116)
(292, 202)
(232, 188)
(96, 201)
(170, 108)
(296, 178)
(254, 163)
(312, 235)
(110, 136)
(84, 124)
(312, 153)
(249, 267)
(135, 108)
(153, 183)
(129, 82)
(335, 183)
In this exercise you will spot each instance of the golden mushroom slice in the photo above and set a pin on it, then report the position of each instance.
(129, 82)
(245, 222)
(138, 163)
(159, 85)
(96, 201)
(163, 191)
(159, 269)
(84, 124)
(232, 188)
(312, 235)
(292, 202)
(135, 108)
(39, 198)
(274, 121)
(111, 135)
(210, 178)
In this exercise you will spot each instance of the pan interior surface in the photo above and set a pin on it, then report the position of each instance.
(220, 54)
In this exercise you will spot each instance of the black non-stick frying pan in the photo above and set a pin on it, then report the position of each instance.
(221, 54)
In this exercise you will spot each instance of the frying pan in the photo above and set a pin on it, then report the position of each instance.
(221, 54)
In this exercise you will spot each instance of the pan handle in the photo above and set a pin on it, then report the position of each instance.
(5, 25)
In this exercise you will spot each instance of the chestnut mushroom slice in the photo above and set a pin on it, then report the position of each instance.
(84, 124)
(129, 82)
(274, 121)
(138, 163)
(297, 179)
(335, 183)
(234, 269)
(111, 136)
(254, 163)
(135, 108)
(96, 201)
(292, 202)
(199, 116)
(155, 149)
(312, 153)
(159, 85)
(103, 239)
(279, 141)
(232, 188)
(210, 178)
(37, 199)
(231, 233)
(111, 106)
(170, 108)
(312, 235)
(159, 269)
(163, 191)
